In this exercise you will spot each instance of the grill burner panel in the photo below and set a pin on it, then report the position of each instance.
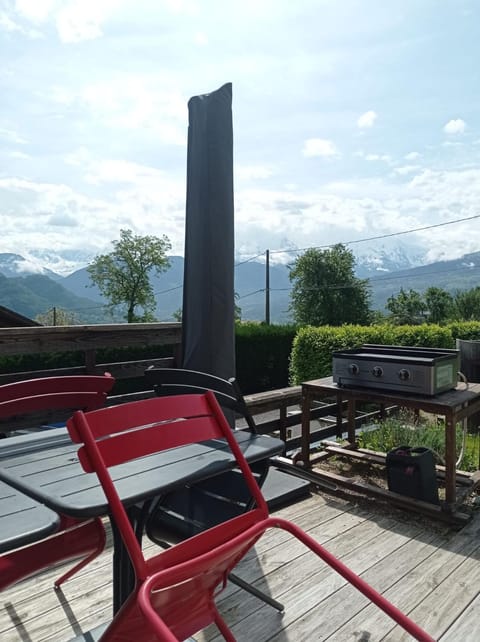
(426, 371)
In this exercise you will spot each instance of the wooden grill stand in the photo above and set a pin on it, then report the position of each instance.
(454, 405)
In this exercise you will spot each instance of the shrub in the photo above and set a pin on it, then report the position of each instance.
(467, 330)
(262, 355)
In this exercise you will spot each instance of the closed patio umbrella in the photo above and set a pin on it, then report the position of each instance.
(208, 342)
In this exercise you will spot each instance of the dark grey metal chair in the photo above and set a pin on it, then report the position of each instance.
(185, 513)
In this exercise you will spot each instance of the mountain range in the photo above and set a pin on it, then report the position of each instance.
(30, 289)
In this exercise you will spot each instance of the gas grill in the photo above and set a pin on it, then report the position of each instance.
(426, 371)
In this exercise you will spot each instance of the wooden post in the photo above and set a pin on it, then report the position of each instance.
(283, 422)
(339, 432)
(450, 463)
(306, 402)
(351, 422)
(90, 361)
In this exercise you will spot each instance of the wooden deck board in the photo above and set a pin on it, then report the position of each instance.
(430, 572)
(466, 625)
(307, 589)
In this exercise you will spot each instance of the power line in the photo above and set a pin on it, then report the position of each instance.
(244, 296)
(178, 287)
(382, 278)
(250, 259)
(414, 276)
(382, 236)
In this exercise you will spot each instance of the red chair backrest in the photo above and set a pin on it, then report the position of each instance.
(118, 434)
(54, 393)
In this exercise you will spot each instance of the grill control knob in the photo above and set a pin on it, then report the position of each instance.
(353, 369)
(377, 371)
(404, 374)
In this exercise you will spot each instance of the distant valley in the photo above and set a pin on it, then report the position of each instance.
(34, 293)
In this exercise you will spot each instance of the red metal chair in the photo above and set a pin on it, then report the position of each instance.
(75, 538)
(175, 590)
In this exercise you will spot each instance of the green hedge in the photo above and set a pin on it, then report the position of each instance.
(262, 355)
(312, 347)
(467, 330)
(52, 360)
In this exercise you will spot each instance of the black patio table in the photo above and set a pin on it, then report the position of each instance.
(54, 477)
(23, 520)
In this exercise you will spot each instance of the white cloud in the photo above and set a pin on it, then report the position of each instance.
(367, 119)
(37, 11)
(253, 172)
(62, 219)
(142, 200)
(121, 171)
(452, 143)
(188, 7)
(412, 156)
(349, 210)
(12, 136)
(455, 126)
(133, 102)
(406, 169)
(75, 20)
(319, 147)
(29, 265)
(20, 155)
(200, 38)
(8, 24)
(74, 26)
(81, 157)
(386, 158)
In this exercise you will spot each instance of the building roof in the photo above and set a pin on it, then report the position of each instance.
(11, 319)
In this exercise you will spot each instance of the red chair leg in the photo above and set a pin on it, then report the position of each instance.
(387, 607)
(87, 538)
(222, 627)
(96, 533)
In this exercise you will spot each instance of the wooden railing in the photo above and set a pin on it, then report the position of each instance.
(89, 339)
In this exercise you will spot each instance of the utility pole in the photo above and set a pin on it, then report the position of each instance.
(54, 315)
(267, 287)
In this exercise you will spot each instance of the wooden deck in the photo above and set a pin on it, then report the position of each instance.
(430, 571)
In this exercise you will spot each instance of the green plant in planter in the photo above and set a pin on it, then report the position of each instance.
(406, 430)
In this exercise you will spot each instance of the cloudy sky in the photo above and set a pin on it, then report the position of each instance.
(352, 119)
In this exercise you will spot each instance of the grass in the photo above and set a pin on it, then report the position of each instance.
(407, 430)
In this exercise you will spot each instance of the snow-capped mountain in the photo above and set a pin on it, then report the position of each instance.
(62, 262)
(385, 257)
(15, 265)
(389, 255)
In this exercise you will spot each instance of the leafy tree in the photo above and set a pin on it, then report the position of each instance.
(439, 305)
(123, 275)
(57, 316)
(237, 310)
(407, 308)
(325, 290)
(467, 303)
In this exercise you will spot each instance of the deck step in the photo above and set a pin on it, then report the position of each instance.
(281, 488)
